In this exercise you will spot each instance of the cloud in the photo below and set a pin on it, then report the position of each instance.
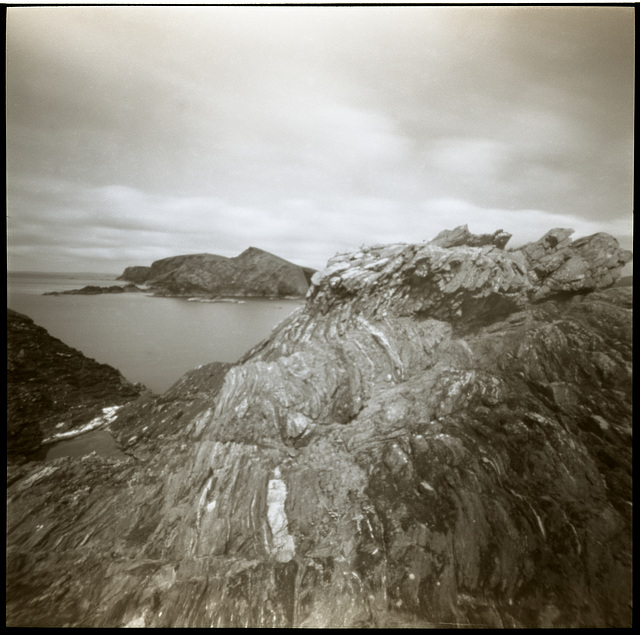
(128, 226)
(469, 158)
(150, 131)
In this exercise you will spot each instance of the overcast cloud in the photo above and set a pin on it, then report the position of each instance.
(137, 133)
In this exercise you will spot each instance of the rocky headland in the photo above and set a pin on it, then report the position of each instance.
(53, 390)
(254, 273)
(440, 437)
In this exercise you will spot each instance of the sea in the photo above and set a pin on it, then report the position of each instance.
(148, 339)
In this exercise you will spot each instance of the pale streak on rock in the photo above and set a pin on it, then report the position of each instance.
(107, 416)
(380, 337)
(203, 499)
(48, 470)
(283, 547)
(200, 422)
(136, 622)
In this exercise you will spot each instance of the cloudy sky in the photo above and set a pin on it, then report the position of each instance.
(136, 133)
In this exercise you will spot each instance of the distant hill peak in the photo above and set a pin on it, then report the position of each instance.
(256, 252)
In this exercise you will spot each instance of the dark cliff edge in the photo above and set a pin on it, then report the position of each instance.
(53, 390)
(254, 273)
(440, 437)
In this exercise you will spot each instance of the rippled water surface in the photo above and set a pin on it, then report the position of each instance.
(150, 340)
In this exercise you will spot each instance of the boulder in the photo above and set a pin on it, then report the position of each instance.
(556, 265)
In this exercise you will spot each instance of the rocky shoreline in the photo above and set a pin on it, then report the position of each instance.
(440, 437)
(53, 389)
(97, 290)
(131, 288)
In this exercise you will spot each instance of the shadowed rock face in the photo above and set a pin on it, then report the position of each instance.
(441, 436)
(53, 388)
(253, 273)
(136, 275)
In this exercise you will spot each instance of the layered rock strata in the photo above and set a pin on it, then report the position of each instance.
(441, 437)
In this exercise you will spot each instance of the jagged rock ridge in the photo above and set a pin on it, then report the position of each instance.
(476, 278)
(440, 437)
(253, 273)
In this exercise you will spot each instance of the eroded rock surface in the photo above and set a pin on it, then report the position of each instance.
(440, 437)
(461, 277)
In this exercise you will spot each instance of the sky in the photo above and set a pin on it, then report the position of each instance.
(138, 133)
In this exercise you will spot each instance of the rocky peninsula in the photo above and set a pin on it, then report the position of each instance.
(254, 273)
(440, 437)
(96, 290)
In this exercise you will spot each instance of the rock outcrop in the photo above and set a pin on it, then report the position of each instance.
(463, 278)
(136, 275)
(53, 389)
(254, 273)
(440, 437)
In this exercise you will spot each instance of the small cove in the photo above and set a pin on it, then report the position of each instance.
(148, 339)
(99, 441)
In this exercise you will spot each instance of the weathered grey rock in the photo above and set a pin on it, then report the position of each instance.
(458, 275)
(383, 459)
(559, 266)
(462, 236)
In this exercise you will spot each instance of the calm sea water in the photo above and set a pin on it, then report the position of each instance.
(99, 441)
(150, 340)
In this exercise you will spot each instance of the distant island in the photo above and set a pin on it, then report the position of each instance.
(255, 273)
